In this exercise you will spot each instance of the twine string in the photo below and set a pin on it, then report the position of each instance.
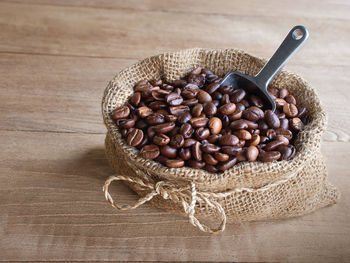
(168, 190)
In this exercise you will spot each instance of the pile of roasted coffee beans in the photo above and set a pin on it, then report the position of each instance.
(198, 123)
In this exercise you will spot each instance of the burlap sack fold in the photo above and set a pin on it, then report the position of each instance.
(246, 192)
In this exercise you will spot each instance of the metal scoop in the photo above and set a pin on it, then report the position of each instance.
(258, 84)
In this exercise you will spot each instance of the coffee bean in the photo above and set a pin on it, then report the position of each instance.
(284, 123)
(168, 151)
(271, 134)
(269, 156)
(196, 151)
(240, 106)
(238, 95)
(210, 148)
(239, 125)
(199, 122)
(225, 89)
(273, 145)
(155, 118)
(251, 124)
(272, 119)
(241, 156)
(177, 141)
(126, 123)
(189, 142)
(290, 110)
(284, 140)
(143, 112)
(290, 99)
(231, 150)
(210, 109)
(189, 94)
(286, 152)
(264, 139)
(161, 139)
(225, 99)
(121, 112)
(253, 114)
(301, 111)
(210, 168)
(197, 110)
(283, 93)
(255, 140)
(135, 137)
(273, 91)
(237, 114)
(286, 133)
(256, 101)
(215, 125)
(211, 88)
(135, 99)
(190, 86)
(252, 153)
(221, 157)
(229, 140)
(190, 102)
(164, 127)
(296, 124)
(209, 159)
(184, 117)
(202, 133)
(225, 121)
(185, 154)
(203, 96)
(174, 163)
(227, 109)
(186, 130)
(160, 94)
(243, 135)
(178, 110)
(262, 125)
(280, 103)
(150, 151)
(196, 164)
(227, 165)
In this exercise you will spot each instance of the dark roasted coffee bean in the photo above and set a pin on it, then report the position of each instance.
(156, 105)
(173, 99)
(238, 95)
(167, 87)
(241, 143)
(296, 124)
(251, 124)
(199, 122)
(237, 114)
(178, 110)
(209, 159)
(177, 141)
(227, 109)
(210, 168)
(190, 86)
(213, 138)
(227, 165)
(210, 148)
(286, 133)
(144, 141)
(155, 118)
(274, 144)
(189, 94)
(272, 119)
(202, 133)
(284, 124)
(269, 156)
(161, 139)
(264, 139)
(150, 151)
(239, 124)
(170, 118)
(185, 154)
(161, 159)
(141, 124)
(252, 153)
(262, 125)
(211, 88)
(286, 152)
(225, 121)
(273, 91)
(203, 96)
(174, 163)
(164, 127)
(225, 99)
(190, 102)
(162, 111)
(241, 156)
(243, 135)
(230, 150)
(121, 112)
(168, 151)
(174, 131)
(280, 103)
(216, 95)
(189, 142)
(179, 83)
(184, 117)
(126, 123)
(143, 112)
(256, 101)
(221, 157)
(135, 99)
(196, 151)
(210, 109)
(135, 137)
(186, 130)
(197, 110)
(240, 106)
(253, 113)
(196, 164)
(245, 103)
(229, 140)
(124, 132)
(301, 111)
(150, 132)
(290, 110)
(290, 99)
(160, 94)
(283, 93)
(225, 89)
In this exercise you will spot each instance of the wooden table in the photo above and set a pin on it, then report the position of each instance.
(56, 58)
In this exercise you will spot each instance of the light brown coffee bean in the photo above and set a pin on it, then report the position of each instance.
(199, 122)
(290, 110)
(243, 135)
(255, 140)
(161, 139)
(174, 163)
(144, 111)
(203, 96)
(280, 103)
(296, 124)
(168, 151)
(229, 140)
(135, 137)
(283, 93)
(227, 109)
(227, 165)
(239, 125)
(121, 112)
(150, 151)
(197, 110)
(221, 157)
(253, 113)
(237, 114)
(210, 109)
(252, 153)
(215, 125)
(238, 95)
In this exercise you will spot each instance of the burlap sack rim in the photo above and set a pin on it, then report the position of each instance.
(313, 132)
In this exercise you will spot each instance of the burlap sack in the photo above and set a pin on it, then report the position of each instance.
(246, 192)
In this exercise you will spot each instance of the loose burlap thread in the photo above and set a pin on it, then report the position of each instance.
(246, 192)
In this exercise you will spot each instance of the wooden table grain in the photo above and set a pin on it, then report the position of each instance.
(56, 58)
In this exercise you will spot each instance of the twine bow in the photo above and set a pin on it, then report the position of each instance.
(168, 190)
